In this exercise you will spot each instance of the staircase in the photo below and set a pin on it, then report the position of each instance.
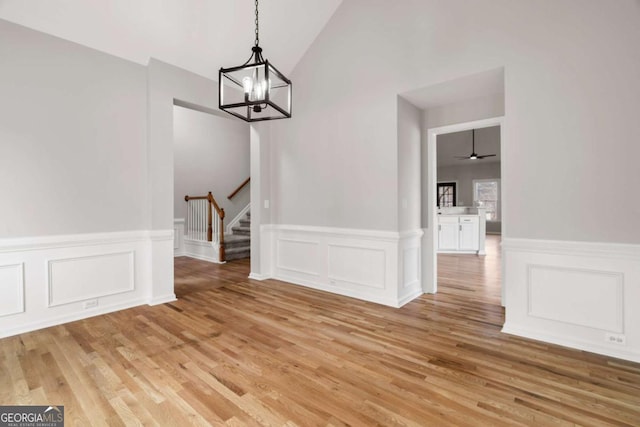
(238, 244)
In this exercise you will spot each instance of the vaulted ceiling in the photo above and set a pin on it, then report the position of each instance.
(198, 35)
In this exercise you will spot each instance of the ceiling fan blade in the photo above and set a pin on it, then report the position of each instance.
(473, 155)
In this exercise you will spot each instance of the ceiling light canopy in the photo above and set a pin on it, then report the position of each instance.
(255, 90)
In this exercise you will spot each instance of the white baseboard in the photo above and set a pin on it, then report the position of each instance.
(162, 299)
(570, 342)
(410, 297)
(377, 266)
(257, 276)
(47, 322)
(581, 295)
(51, 280)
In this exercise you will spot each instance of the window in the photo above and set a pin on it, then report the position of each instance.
(446, 194)
(486, 194)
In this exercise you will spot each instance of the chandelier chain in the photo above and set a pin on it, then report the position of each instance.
(257, 37)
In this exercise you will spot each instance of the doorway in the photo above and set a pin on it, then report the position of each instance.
(430, 260)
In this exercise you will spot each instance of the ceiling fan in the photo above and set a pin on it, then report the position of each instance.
(474, 155)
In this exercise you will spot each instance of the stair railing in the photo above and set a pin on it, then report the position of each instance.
(205, 221)
(240, 187)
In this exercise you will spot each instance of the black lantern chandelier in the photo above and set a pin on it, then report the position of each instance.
(255, 90)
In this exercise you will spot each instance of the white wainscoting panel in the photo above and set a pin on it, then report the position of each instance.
(355, 265)
(410, 260)
(411, 267)
(178, 237)
(50, 280)
(204, 251)
(363, 264)
(88, 277)
(577, 294)
(297, 256)
(11, 289)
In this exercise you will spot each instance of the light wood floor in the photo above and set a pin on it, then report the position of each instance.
(233, 351)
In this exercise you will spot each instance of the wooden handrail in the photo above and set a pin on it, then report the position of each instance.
(240, 187)
(212, 202)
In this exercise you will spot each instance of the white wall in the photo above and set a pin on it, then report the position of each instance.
(211, 153)
(465, 175)
(409, 140)
(261, 212)
(466, 111)
(570, 106)
(72, 138)
(75, 238)
(86, 169)
(562, 97)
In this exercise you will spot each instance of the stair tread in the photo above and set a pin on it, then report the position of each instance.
(238, 244)
(228, 238)
(237, 250)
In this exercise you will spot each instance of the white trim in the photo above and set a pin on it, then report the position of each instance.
(204, 251)
(415, 294)
(178, 237)
(51, 263)
(72, 317)
(162, 299)
(367, 234)
(429, 260)
(571, 342)
(563, 247)
(256, 276)
(160, 235)
(372, 268)
(19, 307)
(236, 219)
(74, 240)
(141, 279)
(605, 279)
(345, 292)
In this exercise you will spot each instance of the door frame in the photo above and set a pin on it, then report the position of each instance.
(430, 239)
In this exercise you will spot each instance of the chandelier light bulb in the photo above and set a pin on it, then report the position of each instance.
(247, 84)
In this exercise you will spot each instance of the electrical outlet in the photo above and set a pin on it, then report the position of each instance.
(92, 303)
(616, 339)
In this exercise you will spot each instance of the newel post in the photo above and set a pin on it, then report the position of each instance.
(223, 256)
(209, 218)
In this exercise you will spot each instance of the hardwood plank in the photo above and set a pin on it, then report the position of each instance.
(237, 352)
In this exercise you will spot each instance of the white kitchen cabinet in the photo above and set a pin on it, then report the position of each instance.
(448, 233)
(459, 233)
(469, 234)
